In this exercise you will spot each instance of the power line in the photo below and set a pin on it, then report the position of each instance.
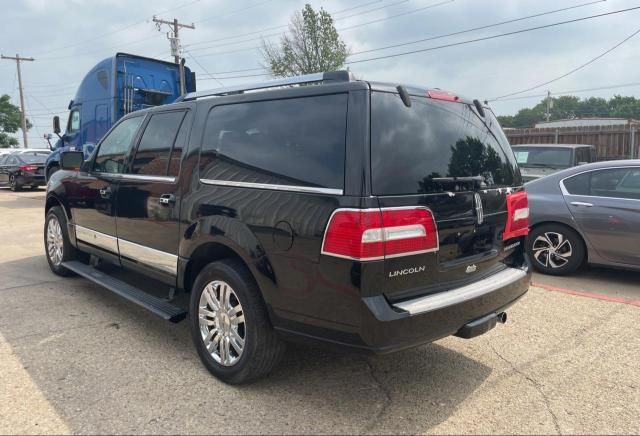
(486, 38)
(120, 29)
(200, 65)
(473, 29)
(233, 12)
(589, 62)
(575, 91)
(390, 17)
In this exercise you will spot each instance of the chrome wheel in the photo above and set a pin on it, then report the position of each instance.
(55, 242)
(221, 320)
(552, 250)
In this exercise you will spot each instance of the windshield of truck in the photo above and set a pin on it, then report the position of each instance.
(428, 147)
(543, 157)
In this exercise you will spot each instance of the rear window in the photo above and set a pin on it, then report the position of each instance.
(543, 156)
(418, 149)
(30, 158)
(298, 141)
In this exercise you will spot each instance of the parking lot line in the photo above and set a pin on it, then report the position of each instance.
(595, 295)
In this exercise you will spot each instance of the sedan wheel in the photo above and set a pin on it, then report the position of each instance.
(13, 183)
(555, 249)
(552, 250)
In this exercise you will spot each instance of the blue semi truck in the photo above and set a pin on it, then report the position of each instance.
(113, 88)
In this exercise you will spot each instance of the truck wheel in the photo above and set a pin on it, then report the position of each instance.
(57, 246)
(556, 249)
(13, 183)
(229, 324)
(52, 170)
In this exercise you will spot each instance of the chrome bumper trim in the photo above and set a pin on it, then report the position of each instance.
(444, 299)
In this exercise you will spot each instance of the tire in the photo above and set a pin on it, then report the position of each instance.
(52, 170)
(13, 183)
(67, 251)
(555, 249)
(261, 348)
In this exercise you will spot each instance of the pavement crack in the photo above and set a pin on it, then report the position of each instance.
(50, 332)
(26, 286)
(535, 384)
(387, 398)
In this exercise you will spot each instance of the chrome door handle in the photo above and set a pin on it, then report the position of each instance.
(581, 203)
(106, 192)
(167, 199)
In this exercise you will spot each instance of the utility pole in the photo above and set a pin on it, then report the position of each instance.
(174, 39)
(17, 58)
(549, 105)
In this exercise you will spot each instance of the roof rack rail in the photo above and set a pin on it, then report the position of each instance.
(332, 76)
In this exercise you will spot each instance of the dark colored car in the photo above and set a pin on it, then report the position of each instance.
(585, 214)
(20, 170)
(357, 214)
(540, 160)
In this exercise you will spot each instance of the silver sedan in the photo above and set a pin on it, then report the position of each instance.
(586, 214)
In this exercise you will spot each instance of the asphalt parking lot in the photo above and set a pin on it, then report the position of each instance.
(75, 358)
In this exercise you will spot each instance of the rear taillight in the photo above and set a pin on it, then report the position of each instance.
(373, 234)
(517, 216)
(28, 168)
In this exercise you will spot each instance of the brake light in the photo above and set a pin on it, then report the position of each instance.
(373, 234)
(517, 216)
(28, 168)
(442, 95)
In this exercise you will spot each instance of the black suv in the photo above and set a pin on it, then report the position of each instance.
(320, 208)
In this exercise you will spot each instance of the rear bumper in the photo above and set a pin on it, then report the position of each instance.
(466, 311)
(31, 179)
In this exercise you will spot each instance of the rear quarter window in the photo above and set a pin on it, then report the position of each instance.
(297, 141)
(413, 147)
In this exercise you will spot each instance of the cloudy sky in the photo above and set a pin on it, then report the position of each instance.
(67, 37)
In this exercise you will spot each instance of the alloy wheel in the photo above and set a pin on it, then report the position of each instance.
(552, 250)
(55, 243)
(222, 325)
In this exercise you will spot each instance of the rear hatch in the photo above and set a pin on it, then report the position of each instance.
(445, 156)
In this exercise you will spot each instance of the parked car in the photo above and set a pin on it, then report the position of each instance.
(358, 214)
(540, 160)
(19, 170)
(585, 214)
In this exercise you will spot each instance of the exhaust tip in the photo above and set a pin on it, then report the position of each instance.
(502, 317)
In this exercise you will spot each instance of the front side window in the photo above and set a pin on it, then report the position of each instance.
(611, 183)
(115, 146)
(298, 141)
(74, 121)
(154, 149)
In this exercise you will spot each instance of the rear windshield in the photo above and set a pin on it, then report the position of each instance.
(30, 158)
(420, 149)
(543, 156)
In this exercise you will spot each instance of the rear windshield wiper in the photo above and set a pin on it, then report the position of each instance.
(479, 179)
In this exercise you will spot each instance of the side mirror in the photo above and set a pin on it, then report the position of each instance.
(71, 160)
(56, 125)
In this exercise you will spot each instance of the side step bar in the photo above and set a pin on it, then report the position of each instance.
(153, 304)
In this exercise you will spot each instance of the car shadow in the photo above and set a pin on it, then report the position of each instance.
(145, 376)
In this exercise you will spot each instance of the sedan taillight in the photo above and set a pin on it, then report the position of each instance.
(517, 216)
(373, 234)
(29, 168)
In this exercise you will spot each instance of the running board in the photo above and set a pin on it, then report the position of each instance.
(153, 304)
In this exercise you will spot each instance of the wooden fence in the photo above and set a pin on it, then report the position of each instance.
(612, 142)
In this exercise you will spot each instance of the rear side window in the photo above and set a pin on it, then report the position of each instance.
(298, 141)
(418, 149)
(154, 149)
(611, 183)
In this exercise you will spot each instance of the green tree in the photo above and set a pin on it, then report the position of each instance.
(312, 45)
(10, 117)
(571, 107)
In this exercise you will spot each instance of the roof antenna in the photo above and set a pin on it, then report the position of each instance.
(404, 95)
